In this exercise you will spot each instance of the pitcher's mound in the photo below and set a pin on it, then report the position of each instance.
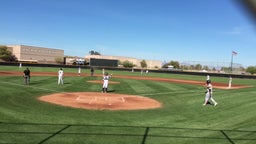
(101, 101)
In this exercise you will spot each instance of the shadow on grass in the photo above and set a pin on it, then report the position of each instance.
(145, 132)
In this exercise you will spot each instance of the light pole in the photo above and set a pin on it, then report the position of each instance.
(231, 65)
(231, 68)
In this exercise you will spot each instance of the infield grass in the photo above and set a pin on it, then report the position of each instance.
(182, 119)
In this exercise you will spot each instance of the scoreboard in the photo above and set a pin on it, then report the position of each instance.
(103, 62)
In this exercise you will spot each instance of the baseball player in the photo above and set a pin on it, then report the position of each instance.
(208, 94)
(26, 76)
(79, 71)
(230, 82)
(60, 76)
(207, 78)
(106, 77)
(92, 71)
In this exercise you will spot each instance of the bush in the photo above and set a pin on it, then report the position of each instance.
(251, 69)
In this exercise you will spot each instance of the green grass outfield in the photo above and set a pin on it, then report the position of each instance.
(182, 119)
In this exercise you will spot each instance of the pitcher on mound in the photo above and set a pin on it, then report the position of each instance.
(106, 77)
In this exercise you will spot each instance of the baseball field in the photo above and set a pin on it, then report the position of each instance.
(178, 116)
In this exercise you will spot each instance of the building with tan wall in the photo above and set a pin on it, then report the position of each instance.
(26, 53)
(152, 64)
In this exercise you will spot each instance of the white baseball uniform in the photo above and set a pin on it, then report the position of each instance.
(208, 95)
(79, 71)
(207, 77)
(105, 83)
(60, 76)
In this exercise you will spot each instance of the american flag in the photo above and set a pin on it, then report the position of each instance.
(234, 53)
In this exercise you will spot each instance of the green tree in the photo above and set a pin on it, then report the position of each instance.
(198, 66)
(251, 69)
(143, 64)
(175, 64)
(92, 52)
(205, 67)
(184, 67)
(165, 65)
(128, 64)
(6, 55)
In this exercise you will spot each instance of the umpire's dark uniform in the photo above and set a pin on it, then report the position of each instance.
(26, 76)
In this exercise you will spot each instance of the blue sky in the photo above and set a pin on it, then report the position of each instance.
(180, 30)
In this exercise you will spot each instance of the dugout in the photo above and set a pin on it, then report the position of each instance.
(103, 62)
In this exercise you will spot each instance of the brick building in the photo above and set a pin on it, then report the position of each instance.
(35, 54)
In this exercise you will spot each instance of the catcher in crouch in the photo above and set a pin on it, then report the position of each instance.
(106, 77)
(208, 94)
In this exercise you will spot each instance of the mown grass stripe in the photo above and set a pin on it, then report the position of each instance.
(26, 86)
(182, 108)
